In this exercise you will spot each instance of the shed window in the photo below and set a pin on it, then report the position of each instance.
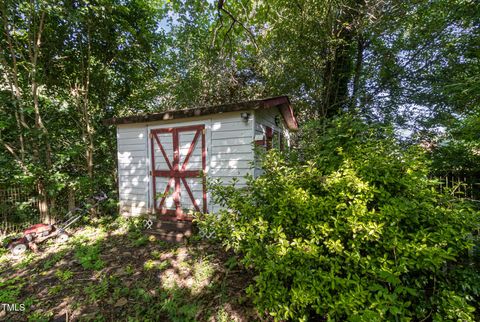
(269, 137)
(272, 139)
(278, 140)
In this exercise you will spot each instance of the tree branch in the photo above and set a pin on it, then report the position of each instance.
(220, 7)
(16, 157)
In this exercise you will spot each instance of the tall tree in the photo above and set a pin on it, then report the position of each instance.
(65, 66)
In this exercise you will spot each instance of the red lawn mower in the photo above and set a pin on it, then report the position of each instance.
(38, 233)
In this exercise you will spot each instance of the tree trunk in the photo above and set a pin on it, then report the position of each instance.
(43, 202)
(71, 198)
(44, 137)
(87, 127)
(358, 70)
(339, 66)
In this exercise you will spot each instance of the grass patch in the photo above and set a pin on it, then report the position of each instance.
(203, 270)
(137, 238)
(97, 291)
(173, 303)
(27, 259)
(54, 290)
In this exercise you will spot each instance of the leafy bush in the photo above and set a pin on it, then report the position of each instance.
(358, 232)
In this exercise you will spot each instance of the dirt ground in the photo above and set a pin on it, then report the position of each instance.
(115, 272)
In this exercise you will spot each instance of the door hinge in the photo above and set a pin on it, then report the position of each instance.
(150, 135)
(203, 131)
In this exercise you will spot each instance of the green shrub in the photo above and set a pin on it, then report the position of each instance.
(358, 232)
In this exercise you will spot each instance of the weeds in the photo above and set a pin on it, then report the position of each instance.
(89, 256)
(54, 290)
(137, 238)
(134, 288)
(26, 261)
(64, 276)
(174, 305)
(10, 290)
(155, 264)
(40, 316)
(129, 270)
(97, 291)
(54, 259)
(203, 270)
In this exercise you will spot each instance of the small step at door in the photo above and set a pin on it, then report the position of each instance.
(171, 231)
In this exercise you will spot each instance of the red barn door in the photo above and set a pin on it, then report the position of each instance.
(178, 161)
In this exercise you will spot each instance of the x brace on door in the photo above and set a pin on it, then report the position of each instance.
(177, 174)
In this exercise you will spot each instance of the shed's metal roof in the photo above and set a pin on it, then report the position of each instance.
(282, 102)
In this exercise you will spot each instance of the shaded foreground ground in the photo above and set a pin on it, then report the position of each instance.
(115, 273)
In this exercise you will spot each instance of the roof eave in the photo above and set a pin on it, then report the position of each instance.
(282, 102)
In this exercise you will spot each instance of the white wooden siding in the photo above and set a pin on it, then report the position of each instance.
(229, 144)
(132, 169)
(231, 147)
(231, 155)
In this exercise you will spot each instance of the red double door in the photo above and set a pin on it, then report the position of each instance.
(178, 166)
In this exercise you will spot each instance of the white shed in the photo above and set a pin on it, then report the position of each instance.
(162, 157)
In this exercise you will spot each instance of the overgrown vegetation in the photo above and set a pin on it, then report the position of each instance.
(357, 232)
(89, 256)
(349, 226)
(153, 281)
(66, 66)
